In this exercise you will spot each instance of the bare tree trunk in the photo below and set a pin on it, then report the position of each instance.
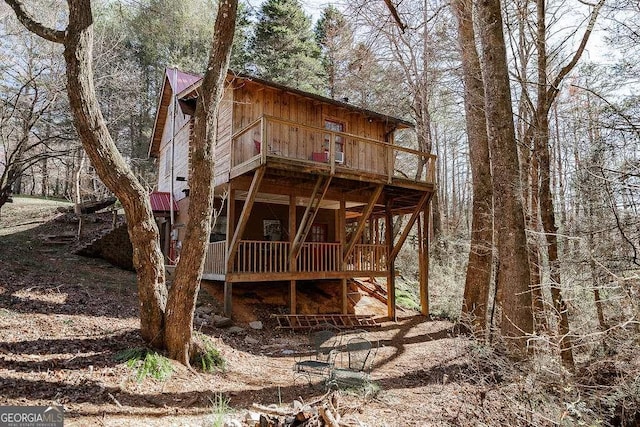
(513, 276)
(546, 96)
(44, 179)
(77, 194)
(537, 296)
(478, 278)
(114, 172)
(77, 40)
(184, 290)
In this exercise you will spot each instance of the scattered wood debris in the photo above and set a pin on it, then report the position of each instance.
(323, 412)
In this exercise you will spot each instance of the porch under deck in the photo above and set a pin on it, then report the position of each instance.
(258, 261)
(362, 241)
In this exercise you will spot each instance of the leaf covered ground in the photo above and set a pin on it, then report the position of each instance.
(64, 319)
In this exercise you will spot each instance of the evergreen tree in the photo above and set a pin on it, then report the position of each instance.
(240, 56)
(284, 47)
(335, 37)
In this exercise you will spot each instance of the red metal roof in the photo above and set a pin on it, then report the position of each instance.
(181, 79)
(161, 202)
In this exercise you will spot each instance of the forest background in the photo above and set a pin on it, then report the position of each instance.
(411, 68)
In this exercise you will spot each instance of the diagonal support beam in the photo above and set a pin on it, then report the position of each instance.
(244, 217)
(366, 213)
(414, 216)
(319, 191)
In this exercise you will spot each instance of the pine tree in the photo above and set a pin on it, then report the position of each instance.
(336, 40)
(240, 56)
(284, 47)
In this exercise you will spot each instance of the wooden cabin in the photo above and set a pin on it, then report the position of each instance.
(305, 187)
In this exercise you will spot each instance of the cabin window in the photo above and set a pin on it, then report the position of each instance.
(334, 126)
(318, 233)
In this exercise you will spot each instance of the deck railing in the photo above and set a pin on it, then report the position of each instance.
(257, 256)
(266, 257)
(320, 257)
(367, 258)
(270, 137)
(215, 261)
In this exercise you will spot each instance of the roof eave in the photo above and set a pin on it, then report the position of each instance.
(154, 150)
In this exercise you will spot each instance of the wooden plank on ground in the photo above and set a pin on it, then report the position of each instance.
(310, 321)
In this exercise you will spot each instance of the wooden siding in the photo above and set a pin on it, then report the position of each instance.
(307, 141)
(223, 143)
(180, 154)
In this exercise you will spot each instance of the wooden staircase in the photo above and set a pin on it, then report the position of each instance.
(374, 290)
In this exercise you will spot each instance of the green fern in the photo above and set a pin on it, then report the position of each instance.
(146, 363)
(208, 357)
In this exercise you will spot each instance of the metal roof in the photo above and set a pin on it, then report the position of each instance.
(161, 202)
(190, 92)
(181, 79)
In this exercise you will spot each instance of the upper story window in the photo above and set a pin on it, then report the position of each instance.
(334, 126)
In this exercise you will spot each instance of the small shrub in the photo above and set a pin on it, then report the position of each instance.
(220, 409)
(407, 299)
(206, 356)
(146, 363)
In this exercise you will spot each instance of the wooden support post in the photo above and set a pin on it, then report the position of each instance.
(391, 273)
(407, 228)
(345, 297)
(244, 217)
(423, 236)
(228, 290)
(293, 300)
(341, 222)
(366, 213)
(231, 220)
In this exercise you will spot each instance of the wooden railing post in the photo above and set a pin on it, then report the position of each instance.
(332, 152)
(390, 161)
(263, 140)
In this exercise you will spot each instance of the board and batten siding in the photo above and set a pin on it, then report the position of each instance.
(223, 142)
(252, 100)
(182, 127)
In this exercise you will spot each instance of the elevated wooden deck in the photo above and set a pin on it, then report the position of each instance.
(286, 145)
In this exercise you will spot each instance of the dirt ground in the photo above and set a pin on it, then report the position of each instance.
(64, 317)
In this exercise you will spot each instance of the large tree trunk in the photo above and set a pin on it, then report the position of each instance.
(478, 278)
(114, 172)
(513, 276)
(184, 290)
(546, 199)
(77, 40)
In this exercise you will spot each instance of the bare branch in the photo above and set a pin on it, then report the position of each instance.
(396, 16)
(34, 26)
(554, 89)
